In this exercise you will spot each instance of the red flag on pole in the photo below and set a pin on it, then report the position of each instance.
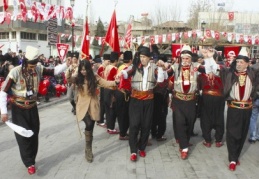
(5, 5)
(112, 34)
(230, 16)
(85, 42)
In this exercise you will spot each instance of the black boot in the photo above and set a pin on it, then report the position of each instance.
(73, 107)
(88, 146)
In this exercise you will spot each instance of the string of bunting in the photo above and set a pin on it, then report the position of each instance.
(36, 11)
(159, 39)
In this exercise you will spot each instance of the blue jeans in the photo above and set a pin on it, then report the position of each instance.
(254, 132)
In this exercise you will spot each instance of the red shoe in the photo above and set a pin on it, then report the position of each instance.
(114, 131)
(133, 157)
(206, 144)
(219, 144)
(184, 155)
(31, 169)
(142, 153)
(232, 166)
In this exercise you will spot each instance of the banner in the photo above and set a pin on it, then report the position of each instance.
(176, 50)
(62, 50)
(230, 16)
(231, 50)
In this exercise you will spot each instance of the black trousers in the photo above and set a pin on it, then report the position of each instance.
(183, 117)
(238, 121)
(122, 109)
(212, 117)
(102, 106)
(140, 115)
(29, 119)
(160, 112)
(110, 108)
(89, 123)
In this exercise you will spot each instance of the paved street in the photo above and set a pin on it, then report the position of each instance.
(61, 154)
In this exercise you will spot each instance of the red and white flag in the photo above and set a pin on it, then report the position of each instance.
(230, 16)
(128, 36)
(5, 5)
(231, 51)
(62, 50)
(176, 50)
(85, 43)
(112, 34)
(23, 10)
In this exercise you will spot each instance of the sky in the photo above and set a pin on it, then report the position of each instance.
(126, 8)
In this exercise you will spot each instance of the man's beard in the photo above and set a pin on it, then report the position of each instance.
(185, 63)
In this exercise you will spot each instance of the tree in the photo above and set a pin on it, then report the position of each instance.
(100, 32)
(197, 6)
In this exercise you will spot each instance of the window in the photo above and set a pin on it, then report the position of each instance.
(4, 35)
(13, 35)
(29, 36)
(42, 37)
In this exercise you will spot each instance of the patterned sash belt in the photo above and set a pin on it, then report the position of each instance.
(23, 102)
(142, 95)
(240, 104)
(184, 97)
(212, 92)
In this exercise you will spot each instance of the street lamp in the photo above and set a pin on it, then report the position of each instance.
(203, 23)
(72, 3)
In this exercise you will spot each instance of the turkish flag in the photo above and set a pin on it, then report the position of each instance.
(85, 43)
(230, 16)
(62, 50)
(241, 39)
(217, 35)
(112, 34)
(208, 33)
(169, 37)
(257, 40)
(249, 40)
(176, 50)
(23, 9)
(231, 50)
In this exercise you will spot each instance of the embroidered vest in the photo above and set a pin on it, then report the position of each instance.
(137, 79)
(178, 80)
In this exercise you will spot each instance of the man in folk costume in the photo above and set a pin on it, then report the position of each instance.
(161, 98)
(212, 102)
(109, 99)
(239, 90)
(144, 78)
(70, 74)
(183, 101)
(122, 96)
(23, 83)
(100, 72)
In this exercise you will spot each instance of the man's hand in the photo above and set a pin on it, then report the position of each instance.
(4, 117)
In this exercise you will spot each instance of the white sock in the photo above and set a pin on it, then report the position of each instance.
(233, 162)
(185, 150)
